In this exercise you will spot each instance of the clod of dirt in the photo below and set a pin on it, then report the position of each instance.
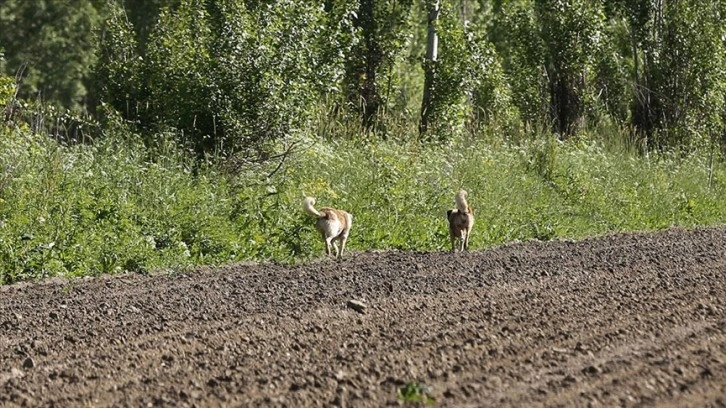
(28, 363)
(356, 305)
(570, 379)
(592, 370)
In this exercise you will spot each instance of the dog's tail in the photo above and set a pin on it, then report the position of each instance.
(308, 203)
(461, 203)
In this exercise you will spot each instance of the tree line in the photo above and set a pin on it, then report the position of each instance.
(237, 77)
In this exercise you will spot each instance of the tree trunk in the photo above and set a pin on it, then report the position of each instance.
(370, 99)
(432, 46)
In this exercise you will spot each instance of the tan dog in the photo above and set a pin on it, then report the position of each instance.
(461, 221)
(333, 224)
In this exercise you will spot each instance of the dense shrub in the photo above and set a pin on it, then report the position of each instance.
(227, 77)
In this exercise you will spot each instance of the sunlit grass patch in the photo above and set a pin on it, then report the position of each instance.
(116, 206)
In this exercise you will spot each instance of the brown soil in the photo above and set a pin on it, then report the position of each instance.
(620, 320)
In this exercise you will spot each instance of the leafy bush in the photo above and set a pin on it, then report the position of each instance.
(228, 77)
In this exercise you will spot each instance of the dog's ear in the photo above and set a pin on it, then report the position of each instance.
(448, 214)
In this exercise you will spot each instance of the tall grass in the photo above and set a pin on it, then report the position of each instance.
(114, 206)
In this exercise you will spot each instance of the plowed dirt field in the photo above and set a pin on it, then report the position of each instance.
(619, 320)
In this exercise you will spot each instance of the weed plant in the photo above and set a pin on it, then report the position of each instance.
(113, 206)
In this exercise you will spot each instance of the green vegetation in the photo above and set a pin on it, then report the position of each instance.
(142, 135)
(414, 392)
(116, 205)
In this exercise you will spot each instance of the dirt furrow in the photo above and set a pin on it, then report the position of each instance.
(625, 319)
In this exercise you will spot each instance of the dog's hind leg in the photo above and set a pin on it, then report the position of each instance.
(328, 241)
(337, 250)
(343, 238)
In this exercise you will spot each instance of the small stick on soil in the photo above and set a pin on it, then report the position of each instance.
(359, 307)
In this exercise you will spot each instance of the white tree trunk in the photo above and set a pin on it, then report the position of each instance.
(432, 53)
